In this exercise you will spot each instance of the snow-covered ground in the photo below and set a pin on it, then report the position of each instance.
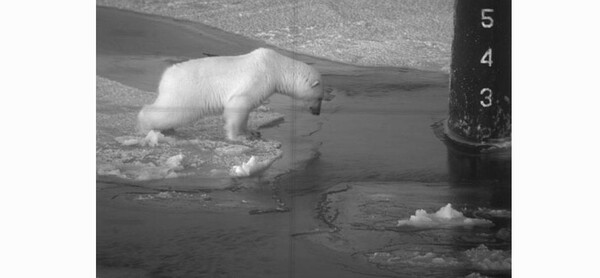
(410, 33)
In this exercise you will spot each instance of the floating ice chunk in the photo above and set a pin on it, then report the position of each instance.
(381, 257)
(109, 170)
(476, 275)
(245, 169)
(167, 195)
(503, 234)
(164, 169)
(445, 216)
(148, 172)
(252, 167)
(154, 137)
(448, 212)
(174, 162)
(412, 258)
(486, 259)
(128, 140)
(500, 213)
(438, 261)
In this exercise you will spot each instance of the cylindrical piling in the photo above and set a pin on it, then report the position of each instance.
(480, 77)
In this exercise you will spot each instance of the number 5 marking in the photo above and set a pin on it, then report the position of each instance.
(487, 102)
(487, 57)
(484, 17)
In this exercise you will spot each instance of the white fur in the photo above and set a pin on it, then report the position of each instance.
(233, 85)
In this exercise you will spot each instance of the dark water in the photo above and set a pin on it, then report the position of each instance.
(380, 128)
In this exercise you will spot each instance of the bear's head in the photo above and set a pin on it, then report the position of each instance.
(311, 91)
(314, 104)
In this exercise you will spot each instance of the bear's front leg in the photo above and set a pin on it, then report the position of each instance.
(236, 114)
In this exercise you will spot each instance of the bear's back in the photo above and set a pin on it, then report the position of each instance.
(263, 52)
(221, 67)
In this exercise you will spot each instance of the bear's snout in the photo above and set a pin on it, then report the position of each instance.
(316, 109)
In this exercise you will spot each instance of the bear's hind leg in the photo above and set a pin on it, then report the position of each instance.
(163, 119)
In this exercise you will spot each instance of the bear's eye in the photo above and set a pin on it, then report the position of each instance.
(314, 84)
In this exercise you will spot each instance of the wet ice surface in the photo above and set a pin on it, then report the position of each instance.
(329, 207)
(446, 242)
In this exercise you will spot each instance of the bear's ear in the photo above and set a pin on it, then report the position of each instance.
(314, 84)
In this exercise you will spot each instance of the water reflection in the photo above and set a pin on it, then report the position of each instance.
(488, 171)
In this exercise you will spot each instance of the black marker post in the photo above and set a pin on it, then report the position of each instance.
(480, 77)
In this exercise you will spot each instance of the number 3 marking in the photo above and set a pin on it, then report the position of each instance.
(487, 102)
(490, 20)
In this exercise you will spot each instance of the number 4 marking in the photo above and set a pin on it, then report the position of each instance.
(487, 57)
(484, 18)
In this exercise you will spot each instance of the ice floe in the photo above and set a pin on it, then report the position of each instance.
(122, 152)
(445, 216)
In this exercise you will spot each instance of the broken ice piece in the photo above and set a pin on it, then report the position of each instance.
(445, 216)
(253, 166)
(154, 137)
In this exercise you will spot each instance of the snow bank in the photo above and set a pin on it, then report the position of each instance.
(445, 216)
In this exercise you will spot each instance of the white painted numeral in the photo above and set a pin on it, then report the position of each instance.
(487, 57)
(486, 20)
(487, 102)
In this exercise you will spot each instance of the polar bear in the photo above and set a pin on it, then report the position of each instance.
(229, 85)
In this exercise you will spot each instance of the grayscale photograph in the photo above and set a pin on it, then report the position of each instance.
(299, 139)
(303, 138)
